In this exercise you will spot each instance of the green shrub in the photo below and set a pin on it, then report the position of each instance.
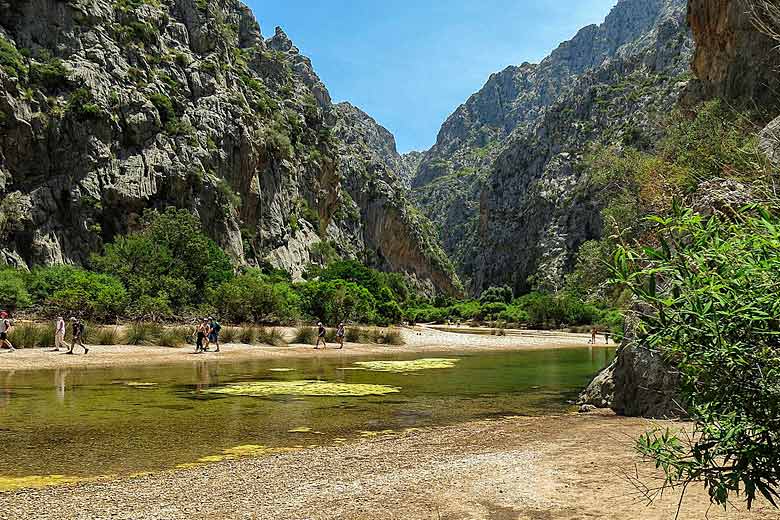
(26, 335)
(709, 298)
(108, 336)
(270, 336)
(164, 107)
(82, 104)
(143, 333)
(13, 289)
(50, 74)
(305, 336)
(11, 61)
(336, 301)
(174, 336)
(256, 297)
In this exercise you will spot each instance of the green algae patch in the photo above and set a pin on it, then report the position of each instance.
(400, 367)
(302, 429)
(303, 388)
(140, 384)
(37, 481)
(234, 453)
(376, 433)
(281, 370)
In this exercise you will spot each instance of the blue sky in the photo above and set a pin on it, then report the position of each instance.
(411, 63)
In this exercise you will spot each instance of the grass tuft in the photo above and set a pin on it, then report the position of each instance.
(305, 336)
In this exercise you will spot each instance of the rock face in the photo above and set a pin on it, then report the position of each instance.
(499, 182)
(733, 60)
(111, 107)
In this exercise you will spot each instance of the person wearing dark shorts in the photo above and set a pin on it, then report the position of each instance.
(78, 333)
(200, 335)
(214, 328)
(320, 336)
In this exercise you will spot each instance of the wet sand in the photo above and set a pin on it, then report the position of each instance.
(545, 468)
(417, 340)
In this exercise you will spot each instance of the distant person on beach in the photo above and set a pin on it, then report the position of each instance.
(214, 328)
(593, 336)
(340, 335)
(606, 337)
(5, 329)
(59, 334)
(320, 336)
(78, 329)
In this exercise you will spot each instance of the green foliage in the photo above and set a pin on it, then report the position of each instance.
(143, 334)
(502, 294)
(170, 263)
(82, 104)
(253, 297)
(32, 335)
(337, 300)
(710, 287)
(50, 74)
(74, 291)
(164, 106)
(11, 61)
(13, 289)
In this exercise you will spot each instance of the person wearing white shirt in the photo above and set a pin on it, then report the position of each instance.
(59, 334)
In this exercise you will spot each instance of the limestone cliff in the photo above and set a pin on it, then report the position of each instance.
(499, 181)
(110, 107)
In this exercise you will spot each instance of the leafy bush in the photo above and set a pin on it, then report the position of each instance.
(712, 287)
(11, 61)
(50, 74)
(337, 301)
(83, 106)
(256, 297)
(13, 289)
(164, 107)
(502, 294)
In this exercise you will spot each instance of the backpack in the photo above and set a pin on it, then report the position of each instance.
(216, 326)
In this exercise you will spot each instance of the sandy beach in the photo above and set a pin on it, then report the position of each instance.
(417, 340)
(544, 468)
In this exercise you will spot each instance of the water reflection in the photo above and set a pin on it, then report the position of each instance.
(119, 420)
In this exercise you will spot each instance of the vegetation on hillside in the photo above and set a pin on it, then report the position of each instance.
(686, 250)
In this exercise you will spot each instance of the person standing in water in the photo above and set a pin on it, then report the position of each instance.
(340, 335)
(320, 336)
(59, 334)
(5, 330)
(78, 328)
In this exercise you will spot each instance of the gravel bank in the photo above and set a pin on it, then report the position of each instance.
(549, 468)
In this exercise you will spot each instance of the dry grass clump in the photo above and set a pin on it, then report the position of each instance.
(305, 336)
(270, 336)
(143, 333)
(108, 336)
(32, 335)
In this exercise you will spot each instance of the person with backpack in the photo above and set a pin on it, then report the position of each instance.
(5, 330)
(78, 328)
(320, 336)
(214, 328)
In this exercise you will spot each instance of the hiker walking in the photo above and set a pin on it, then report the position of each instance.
(5, 330)
(340, 335)
(593, 336)
(78, 329)
(214, 328)
(320, 336)
(59, 334)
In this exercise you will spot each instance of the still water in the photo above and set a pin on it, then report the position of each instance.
(118, 421)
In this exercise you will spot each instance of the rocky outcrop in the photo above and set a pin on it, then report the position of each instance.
(733, 60)
(108, 108)
(499, 182)
(639, 383)
(394, 236)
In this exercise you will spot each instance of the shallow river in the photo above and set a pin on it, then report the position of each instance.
(94, 422)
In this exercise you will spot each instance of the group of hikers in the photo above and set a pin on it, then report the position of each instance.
(206, 332)
(77, 328)
(321, 331)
